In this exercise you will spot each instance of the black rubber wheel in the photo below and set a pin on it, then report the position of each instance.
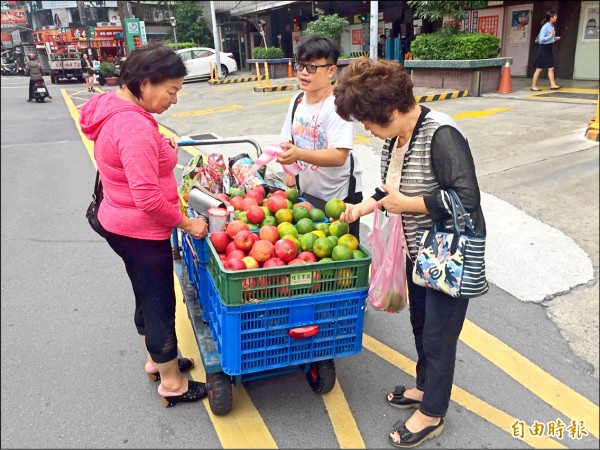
(220, 393)
(321, 376)
(224, 70)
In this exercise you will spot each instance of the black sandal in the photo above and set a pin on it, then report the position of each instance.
(196, 391)
(408, 439)
(184, 364)
(400, 401)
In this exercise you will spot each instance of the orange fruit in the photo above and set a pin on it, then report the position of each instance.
(322, 248)
(341, 252)
(305, 225)
(335, 207)
(349, 240)
(284, 215)
(300, 212)
(345, 278)
(287, 228)
(338, 228)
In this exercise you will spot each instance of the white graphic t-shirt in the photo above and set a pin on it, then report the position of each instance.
(318, 127)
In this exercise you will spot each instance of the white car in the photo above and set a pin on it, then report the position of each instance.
(198, 59)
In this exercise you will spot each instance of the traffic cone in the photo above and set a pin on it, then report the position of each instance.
(505, 81)
(290, 69)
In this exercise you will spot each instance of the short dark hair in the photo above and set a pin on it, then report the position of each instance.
(373, 90)
(314, 46)
(153, 62)
(382, 36)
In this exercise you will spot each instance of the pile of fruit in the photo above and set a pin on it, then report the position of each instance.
(278, 230)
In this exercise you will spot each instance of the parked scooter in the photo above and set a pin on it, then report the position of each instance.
(9, 67)
(40, 92)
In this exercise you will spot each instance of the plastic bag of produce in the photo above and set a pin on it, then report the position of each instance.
(387, 291)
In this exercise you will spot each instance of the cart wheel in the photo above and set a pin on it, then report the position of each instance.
(220, 393)
(321, 376)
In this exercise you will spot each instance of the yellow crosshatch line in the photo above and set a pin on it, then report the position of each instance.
(243, 427)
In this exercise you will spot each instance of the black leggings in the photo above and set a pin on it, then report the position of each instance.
(149, 265)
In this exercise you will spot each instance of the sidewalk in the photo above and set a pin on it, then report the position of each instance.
(573, 90)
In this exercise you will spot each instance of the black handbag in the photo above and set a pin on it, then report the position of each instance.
(92, 210)
(451, 261)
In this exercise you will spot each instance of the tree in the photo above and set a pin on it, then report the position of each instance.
(330, 26)
(191, 25)
(436, 10)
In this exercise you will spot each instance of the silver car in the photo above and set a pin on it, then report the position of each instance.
(198, 59)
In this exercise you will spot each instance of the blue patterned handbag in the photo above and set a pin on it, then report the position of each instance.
(451, 261)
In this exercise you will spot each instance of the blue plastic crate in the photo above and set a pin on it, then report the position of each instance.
(254, 337)
(196, 269)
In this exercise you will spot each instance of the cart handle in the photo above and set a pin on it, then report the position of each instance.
(223, 141)
(303, 332)
(187, 238)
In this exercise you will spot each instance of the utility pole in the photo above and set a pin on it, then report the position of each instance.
(216, 37)
(124, 8)
(373, 35)
(87, 28)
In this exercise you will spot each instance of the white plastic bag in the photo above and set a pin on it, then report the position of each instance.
(387, 291)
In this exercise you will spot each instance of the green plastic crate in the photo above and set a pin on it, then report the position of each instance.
(257, 285)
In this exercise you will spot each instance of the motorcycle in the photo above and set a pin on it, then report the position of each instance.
(39, 91)
(9, 67)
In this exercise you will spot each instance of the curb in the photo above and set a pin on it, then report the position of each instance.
(442, 96)
(233, 80)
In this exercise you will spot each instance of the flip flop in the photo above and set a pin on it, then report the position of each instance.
(555, 88)
(535, 90)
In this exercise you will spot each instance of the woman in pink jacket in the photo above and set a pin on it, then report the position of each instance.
(140, 207)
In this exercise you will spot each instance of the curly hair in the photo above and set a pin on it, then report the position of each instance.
(372, 90)
(153, 62)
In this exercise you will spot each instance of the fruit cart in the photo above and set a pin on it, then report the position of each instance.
(255, 323)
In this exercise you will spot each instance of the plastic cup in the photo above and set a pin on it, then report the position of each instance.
(217, 219)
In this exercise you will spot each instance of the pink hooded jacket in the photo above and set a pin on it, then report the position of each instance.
(136, 167)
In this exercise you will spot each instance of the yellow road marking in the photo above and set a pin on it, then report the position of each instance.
(493, 415)
(202, 112)
(480, 114)
(281, 100)
(243, 427)
(558, 395)
(342, 420)
(89, 145)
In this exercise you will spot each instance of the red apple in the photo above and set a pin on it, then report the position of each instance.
(234, 264)
(285, 250)
(307, 256)
(261, 250)
(255, 214)
(276, 202)
(235, 226)
(316, 281)
(244, 240)
(250, 262)
(256, 195)
(273, 262)
(219, 240)
(280, 193)
(259, 188)
(236, 254)
(236, 202)
(269, 233)
(230, 247)
(296, 261)
(224, 197)
(222, 257)
(247, 203)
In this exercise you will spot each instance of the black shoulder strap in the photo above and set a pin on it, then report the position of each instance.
(296, 103)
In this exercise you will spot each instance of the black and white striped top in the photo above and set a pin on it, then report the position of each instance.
(418, 177)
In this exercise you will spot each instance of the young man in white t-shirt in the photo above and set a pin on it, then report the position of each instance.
(320, 140)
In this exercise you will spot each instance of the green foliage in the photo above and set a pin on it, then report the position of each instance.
(441, 45)
(437, 10)
(191, 25)
(330, 26)
(180, 45)
(107, 69)
(268, 53)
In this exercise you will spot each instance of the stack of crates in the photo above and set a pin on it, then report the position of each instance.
(251, 312)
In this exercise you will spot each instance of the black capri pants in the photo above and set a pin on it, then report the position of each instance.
(149, 265)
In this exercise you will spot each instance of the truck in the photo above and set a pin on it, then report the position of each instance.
(64, 63)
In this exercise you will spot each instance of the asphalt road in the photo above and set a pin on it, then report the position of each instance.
(72, 365)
